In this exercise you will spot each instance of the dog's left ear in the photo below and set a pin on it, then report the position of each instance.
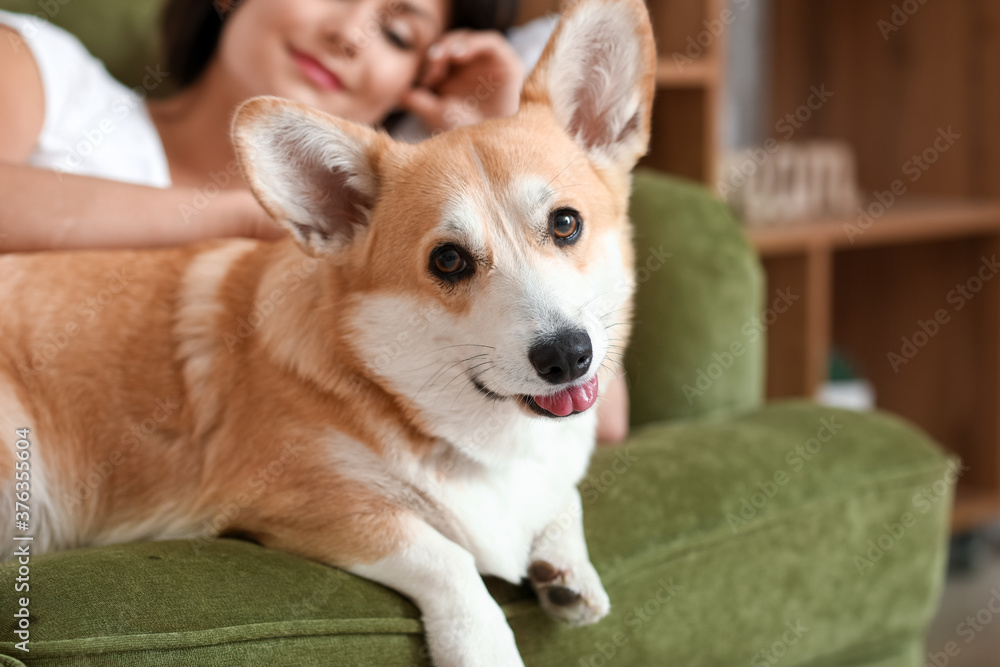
(315, 174)
(598, 74)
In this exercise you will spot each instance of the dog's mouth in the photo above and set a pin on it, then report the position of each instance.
(568, 401)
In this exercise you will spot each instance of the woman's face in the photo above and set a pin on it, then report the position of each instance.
(350, 58)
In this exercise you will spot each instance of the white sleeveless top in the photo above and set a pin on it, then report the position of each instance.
(94, 125)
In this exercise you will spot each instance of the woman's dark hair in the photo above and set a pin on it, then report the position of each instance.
(190, 29)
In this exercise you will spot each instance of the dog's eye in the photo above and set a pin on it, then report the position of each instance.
(450, 263)
(565, 225)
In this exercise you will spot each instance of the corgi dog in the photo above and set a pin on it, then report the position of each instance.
(403, 387)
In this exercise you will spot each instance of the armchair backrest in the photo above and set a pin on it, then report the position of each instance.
(697, 346)
(122, 33)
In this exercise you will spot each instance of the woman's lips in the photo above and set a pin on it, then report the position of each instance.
(316, 73)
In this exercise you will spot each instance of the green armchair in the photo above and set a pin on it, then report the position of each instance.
(726, 532)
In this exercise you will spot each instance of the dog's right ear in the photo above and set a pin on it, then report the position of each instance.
(315, 174)
(598, 75)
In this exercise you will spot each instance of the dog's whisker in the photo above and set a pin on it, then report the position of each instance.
(445, 370)
(613, 311)
(615, 355)
(461, 374)
(461, 345)
(472, 368)
(471, 381)
(562, 170)
(461, 361)
(614, 373)
(427, 365)
(420, 368)
(588, 302)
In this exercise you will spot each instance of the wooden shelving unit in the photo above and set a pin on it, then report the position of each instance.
(910, 222)
(670, 74)
(684, 138)
(876, 294)
(689, 76)
(897, 282)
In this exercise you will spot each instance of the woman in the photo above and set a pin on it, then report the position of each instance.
(162, 172)
(360, 59)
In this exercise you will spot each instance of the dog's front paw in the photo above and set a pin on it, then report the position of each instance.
(571, 594)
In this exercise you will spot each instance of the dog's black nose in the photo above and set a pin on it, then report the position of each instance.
(562, 358)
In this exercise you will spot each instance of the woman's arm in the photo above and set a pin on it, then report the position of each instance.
(47, 210)
(44, 210)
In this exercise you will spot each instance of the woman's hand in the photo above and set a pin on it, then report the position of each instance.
(470, 75)
(244, 217)
(612, 412)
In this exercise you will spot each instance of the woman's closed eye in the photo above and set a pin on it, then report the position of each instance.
(399, 37)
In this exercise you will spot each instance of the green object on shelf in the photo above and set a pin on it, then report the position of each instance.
(841, 369)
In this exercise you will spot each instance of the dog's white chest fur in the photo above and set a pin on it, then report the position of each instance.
(502, 511)
(496, 511)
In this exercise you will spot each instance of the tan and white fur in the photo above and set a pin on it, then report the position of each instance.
(329, 395)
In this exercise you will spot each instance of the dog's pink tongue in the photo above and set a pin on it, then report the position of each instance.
(567, 401)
